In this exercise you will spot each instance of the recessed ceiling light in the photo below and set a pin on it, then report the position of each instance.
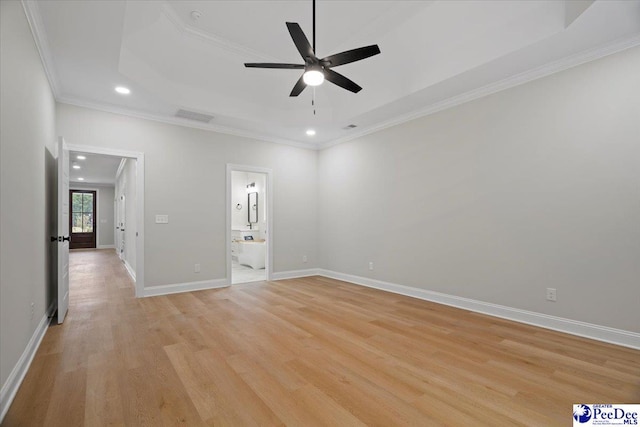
(80, 179)
(76, 166)
(311, 132)
(81, 157)
(123, 90)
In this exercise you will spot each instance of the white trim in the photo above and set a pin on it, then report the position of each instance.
(131, 272)
(573, 327)
(105, 151)
(269, 203)
(37, 28)
(32, 11)
(15, 378)
(500, 85)
(176, 288)
(106, 247)
(123, 161)
(293, 274)
(138, 275)
(183, 122)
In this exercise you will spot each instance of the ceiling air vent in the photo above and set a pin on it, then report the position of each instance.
(349, 127)
(192, 115)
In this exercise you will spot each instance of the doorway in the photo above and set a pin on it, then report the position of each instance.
(82, 219)
(89, 171)
(249, 220)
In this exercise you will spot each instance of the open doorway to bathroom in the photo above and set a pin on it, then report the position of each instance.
(248, 223)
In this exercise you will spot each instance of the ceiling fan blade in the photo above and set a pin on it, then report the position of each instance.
(299, 87)
(350, 56)
(300, 40)
(273, 65)
(340, 80)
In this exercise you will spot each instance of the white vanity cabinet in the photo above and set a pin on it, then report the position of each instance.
(240, 235)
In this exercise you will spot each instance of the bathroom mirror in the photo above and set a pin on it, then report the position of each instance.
(252, 204)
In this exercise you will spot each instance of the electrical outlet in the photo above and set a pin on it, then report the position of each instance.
(551, 294)
(304, 258)
(162, 219)
(33, 309)
(196, 268)
(370, 265)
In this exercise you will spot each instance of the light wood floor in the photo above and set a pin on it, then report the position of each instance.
(303, 352)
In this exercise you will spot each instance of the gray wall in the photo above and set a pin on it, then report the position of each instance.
(104, 220)
(497, 199)
(27, 137)
(185, 178)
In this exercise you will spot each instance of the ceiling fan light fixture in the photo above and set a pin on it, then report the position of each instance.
(123, 90)
(313, 77)
(316, 70)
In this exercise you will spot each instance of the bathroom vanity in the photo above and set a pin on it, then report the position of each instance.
(238, 235)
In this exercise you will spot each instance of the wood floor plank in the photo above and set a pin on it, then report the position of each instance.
(311, 352)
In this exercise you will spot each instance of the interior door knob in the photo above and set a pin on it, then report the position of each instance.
(67, 239)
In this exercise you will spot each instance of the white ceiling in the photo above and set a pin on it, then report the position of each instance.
(434, 54)
(95, 169)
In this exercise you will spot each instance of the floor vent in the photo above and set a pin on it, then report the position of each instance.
(192, 115)
(349, 127)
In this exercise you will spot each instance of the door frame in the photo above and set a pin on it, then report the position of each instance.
(96, 229)
(99, 230)
(62, 219)
(269, 202)
(139, 202)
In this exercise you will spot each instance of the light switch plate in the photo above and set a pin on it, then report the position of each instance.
(162, 219)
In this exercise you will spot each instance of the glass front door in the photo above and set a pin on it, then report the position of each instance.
(82, 221)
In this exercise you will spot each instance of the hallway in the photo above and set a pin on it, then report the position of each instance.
(101, 309)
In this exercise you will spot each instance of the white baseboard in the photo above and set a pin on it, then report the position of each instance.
(175, 288)
(12, 384)
(106, 247)
(292, 274)
(573, 327)
(130, 270)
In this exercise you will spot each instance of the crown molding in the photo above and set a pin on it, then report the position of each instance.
(32, 11)
(33, 17)
(536, 73)
(180, 122)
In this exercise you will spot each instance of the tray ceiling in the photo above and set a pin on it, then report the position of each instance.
(434, 54)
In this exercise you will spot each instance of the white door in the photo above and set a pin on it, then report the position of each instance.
(63, 229)
(121, 225)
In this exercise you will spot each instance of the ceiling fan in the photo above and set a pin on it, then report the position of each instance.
(317, 70)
